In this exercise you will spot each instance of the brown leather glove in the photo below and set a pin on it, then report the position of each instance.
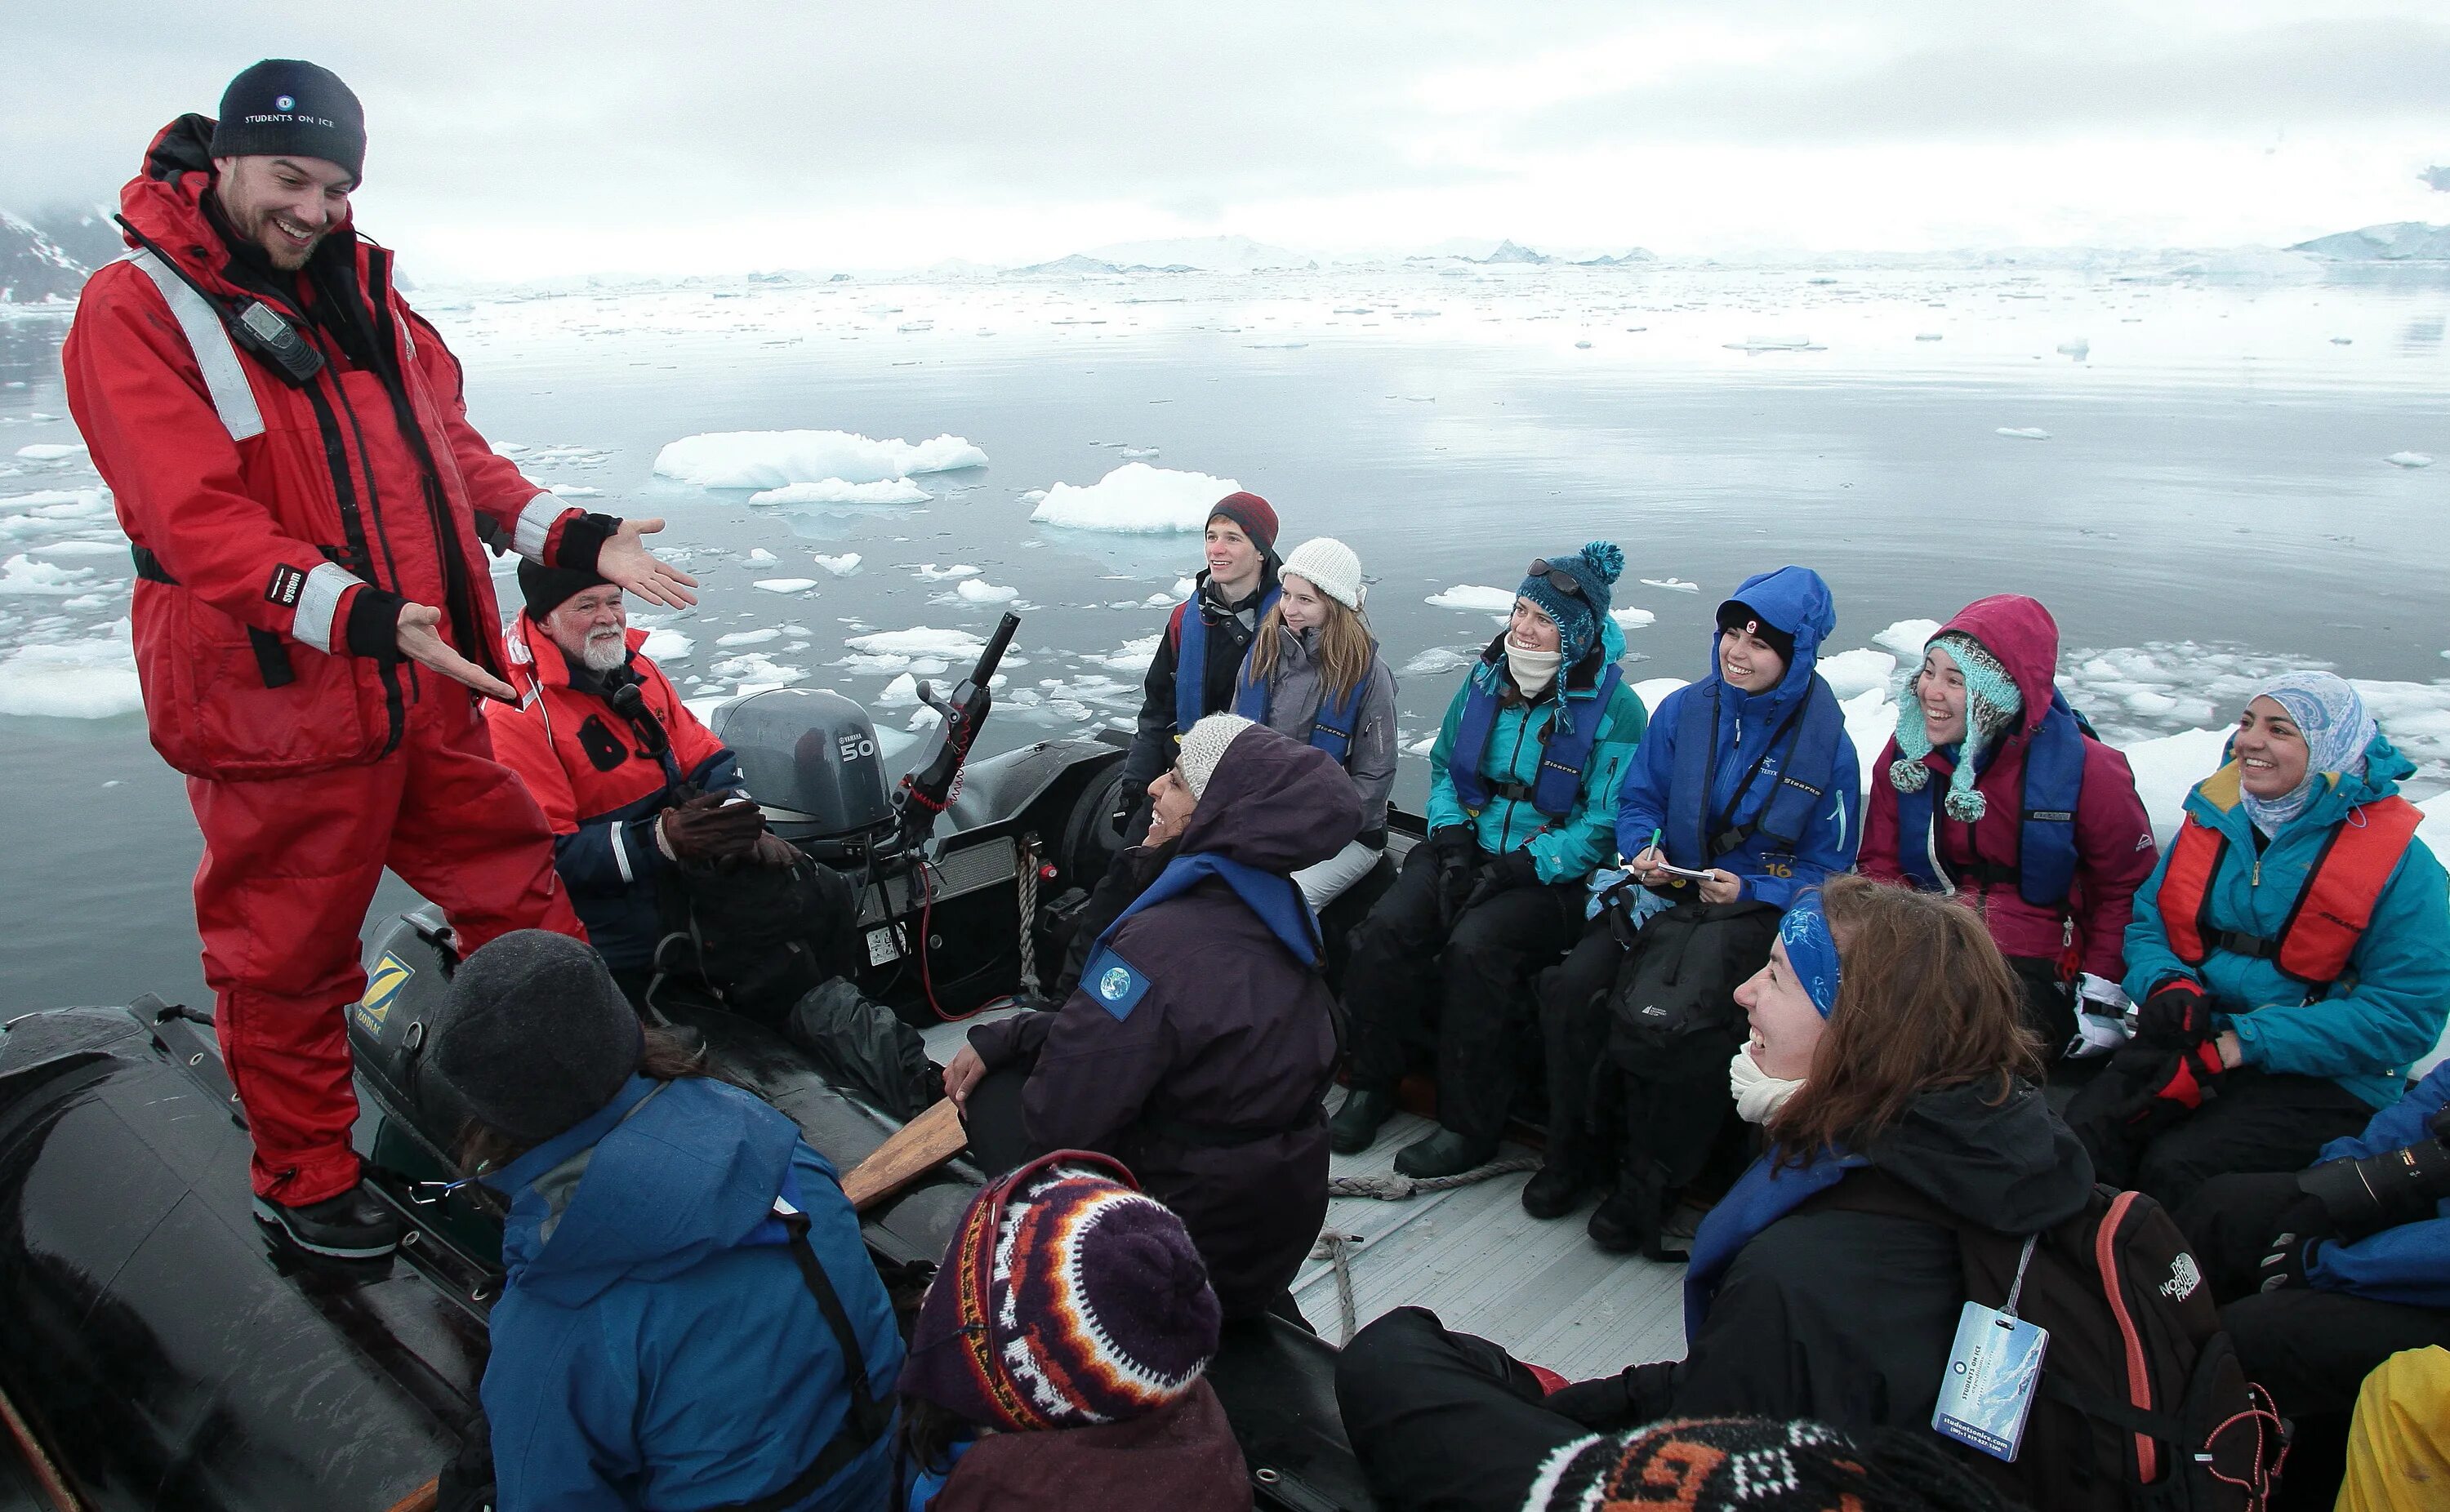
(772, 850)
(708, 829)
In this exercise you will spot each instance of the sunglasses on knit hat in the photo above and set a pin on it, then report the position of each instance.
(1559, 578)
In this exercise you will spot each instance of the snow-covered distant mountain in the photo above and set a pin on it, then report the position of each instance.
(1185, 254)
(34, 267)
(2397, 242)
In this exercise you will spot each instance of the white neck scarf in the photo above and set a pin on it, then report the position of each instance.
(1534, 671)
(1758, 1094)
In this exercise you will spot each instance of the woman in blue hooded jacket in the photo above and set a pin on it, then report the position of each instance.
(1522, 782)
(1748, 776)
(2291, 957)
(689, 1317)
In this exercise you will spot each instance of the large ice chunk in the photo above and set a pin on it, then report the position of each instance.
(777, 460)
(87, 679)
(1136, 497)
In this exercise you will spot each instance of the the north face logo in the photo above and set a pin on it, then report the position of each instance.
(2184, 1278)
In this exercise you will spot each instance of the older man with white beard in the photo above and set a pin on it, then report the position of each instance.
(633, 784)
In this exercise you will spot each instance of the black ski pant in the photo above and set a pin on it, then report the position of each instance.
(2260, 1121)
(1461, 994)
(1443, 1421)
(1668, 1104)
(2310, 1350)
(2049, 1005)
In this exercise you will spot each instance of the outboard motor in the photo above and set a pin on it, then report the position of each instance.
(809, 757)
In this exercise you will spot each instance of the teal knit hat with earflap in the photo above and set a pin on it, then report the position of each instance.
(1576, 609)
(1992, 704)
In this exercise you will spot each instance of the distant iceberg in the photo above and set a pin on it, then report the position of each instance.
(1136, 498)
(777, 460)
(2396, 242)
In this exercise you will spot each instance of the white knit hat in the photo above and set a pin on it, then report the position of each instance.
(1204, 746)
(1331, 565)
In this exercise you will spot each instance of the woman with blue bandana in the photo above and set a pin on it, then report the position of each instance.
(1885, 1037)
(2290, 955)
(1522, 792)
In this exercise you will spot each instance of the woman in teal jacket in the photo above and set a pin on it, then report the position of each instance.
(2290, 955)
(1523, 785)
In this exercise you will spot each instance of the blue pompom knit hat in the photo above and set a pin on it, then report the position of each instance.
(1576, 610)
(1992, 704)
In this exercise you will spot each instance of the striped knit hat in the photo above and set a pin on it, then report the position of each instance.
(1067, 1299)
(1992, 704)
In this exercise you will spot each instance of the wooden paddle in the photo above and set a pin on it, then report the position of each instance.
(917, 1148)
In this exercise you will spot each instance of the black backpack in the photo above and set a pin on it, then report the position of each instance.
(1679, 974)
(2144, 1406)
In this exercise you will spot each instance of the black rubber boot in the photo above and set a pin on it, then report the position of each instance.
(1355, 1125)
(1444, 1153)
(1554, 1190)
(1631, 1217)
(352, 1226)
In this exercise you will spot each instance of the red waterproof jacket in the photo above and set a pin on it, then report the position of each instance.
(2113, 837)
(263, 513)
(600, 785)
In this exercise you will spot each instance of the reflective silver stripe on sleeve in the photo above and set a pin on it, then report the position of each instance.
(209, 341)
(621, 851)
(318, 604)
(535, 526)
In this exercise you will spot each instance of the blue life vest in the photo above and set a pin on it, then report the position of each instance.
(1694, 836)
(1118, 985)
(1190, 662)
(2046, 853)
(1331, 729)
(1564, 750)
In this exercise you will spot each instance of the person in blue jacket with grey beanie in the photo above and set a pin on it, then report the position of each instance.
(2326, 1272)
(689, 1318)
(1748, 779)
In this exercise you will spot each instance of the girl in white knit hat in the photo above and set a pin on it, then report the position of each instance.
(1314, 673)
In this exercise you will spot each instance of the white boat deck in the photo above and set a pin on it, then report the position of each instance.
(1483, 1266)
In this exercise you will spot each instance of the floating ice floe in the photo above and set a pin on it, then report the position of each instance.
(978, 591)
(951, 645)
(2078, 349)
(1849, 674)
(1774, 343)
(751, 637)
(929, 572)
(899, 693)
(1498, 601)
(1927, 335)
(668, 646)
(1134, 655)
(836, 490)
(776, 459)
(1907, 638)
(1439, 659)
(1630, 617)
(21, 573)
(87, 679)
(760, 557)
(48, 451)
(842, 566)
(1674, 584)
(755, 671)
(785, 585)
(2024, 433)
(82, 547)
(1137, 498)
(2408, 459)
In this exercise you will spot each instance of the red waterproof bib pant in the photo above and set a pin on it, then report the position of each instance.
(260, 512)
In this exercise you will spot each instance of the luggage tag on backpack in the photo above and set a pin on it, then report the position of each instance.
(1994, 1369)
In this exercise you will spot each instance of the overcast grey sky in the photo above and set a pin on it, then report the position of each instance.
(518, 140)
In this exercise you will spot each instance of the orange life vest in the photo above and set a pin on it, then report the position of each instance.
(2331, 911)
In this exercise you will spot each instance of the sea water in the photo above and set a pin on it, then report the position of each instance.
(2205, 480)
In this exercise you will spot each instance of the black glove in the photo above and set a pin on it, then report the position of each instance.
(2304, 1224)
(1514, 869)
(1128, 799)
(2174, 1016)
(711, 828)
(1633, 1396)
(1456, 855)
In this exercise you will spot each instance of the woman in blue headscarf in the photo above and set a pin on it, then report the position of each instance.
(2290, 955)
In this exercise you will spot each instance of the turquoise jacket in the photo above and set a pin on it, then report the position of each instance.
(2384, 1013)
(1563, 852)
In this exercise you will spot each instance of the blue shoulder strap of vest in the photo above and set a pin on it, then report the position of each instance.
(1566, 752)
(1331, 728)
(2046, 848)
(1118, 985)
(1471, 734)
(1191, 663)
(1783, 815)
